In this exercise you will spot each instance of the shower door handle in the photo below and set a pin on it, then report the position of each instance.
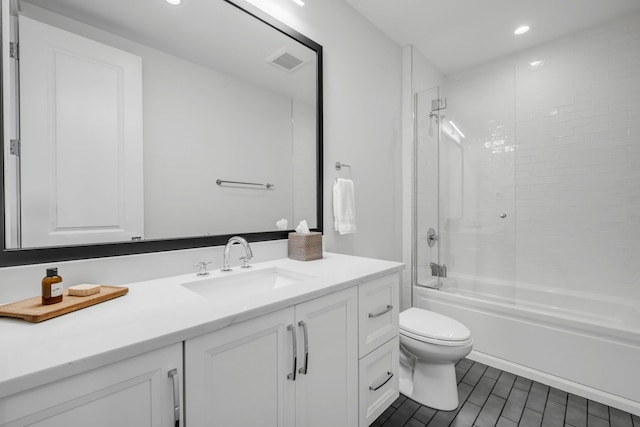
(432, 237)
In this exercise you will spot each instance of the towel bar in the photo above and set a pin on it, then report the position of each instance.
(341, 165)
(267, 185)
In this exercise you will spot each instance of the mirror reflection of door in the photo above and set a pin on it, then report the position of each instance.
(81, 139)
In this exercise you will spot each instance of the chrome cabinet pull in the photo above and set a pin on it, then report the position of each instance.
(386, 380)
(292, 375)
(303, 370)
(386, 310)
(173, 374)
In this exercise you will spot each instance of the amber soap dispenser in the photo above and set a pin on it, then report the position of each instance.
(51, 287)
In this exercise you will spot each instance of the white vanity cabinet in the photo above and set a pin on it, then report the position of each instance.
(295, 367)
(138, 391)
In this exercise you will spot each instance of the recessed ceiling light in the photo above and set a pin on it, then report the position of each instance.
(521, 30)
(298, 2)
(173, 2)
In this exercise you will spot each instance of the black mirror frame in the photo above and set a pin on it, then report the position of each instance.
(15, 257)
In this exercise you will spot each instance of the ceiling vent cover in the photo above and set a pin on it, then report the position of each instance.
(285, 60)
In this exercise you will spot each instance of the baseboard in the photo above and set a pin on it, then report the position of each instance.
(587, 392)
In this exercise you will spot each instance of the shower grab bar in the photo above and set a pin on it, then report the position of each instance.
(267, 185)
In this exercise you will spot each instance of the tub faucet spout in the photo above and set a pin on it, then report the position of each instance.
(248, 254)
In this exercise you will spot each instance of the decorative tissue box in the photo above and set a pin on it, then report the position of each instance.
(305, 247)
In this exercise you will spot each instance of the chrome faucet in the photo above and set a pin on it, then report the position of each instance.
(227, 249)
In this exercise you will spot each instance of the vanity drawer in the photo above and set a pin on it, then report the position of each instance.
(378, 314)
(379, 381)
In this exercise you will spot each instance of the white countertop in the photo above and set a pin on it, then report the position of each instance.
(154, 314)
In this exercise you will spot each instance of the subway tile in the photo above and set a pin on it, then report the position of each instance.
(505, 422)
(492, 373)
(558, 396)
(464, 391)
(474, 374)
(424, 414)
(399, 401)
(530, 418)
(620, 418)
(503, 385)
(537, 397)
(465, 363)
(482, 390)
(523, 384)
(594, 421)
(576, 411)
(466, 416)
(515, 404)
(402, 414)
(442, 419)
(554, 414)
(490, 412)
(414, 423)
(598, 409)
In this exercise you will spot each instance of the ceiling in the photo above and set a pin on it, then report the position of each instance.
(457, 34)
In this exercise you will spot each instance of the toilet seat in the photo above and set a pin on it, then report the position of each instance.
(434, 328)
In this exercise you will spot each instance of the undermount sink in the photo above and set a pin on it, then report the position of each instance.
(242, 284)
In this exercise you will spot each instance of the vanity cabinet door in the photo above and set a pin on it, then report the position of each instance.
(327, 381)
(238, 376)
(134, 392)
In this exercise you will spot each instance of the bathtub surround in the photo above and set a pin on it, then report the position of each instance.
(552, 137)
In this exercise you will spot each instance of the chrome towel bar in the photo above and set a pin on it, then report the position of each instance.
(267, 185)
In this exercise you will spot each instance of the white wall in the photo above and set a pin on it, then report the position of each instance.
(362, 120)
(362, 107)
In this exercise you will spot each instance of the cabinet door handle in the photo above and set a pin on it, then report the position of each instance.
(380, 313)
(292, 375)
(303, 370)
(173, 374)
(386, 380)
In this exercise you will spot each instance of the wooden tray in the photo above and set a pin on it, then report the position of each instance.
(33, 311)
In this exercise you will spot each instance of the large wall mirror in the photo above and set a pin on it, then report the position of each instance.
(133, 126)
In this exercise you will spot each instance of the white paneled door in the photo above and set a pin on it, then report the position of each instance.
(81, 132)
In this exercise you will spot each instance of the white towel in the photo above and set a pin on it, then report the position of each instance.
(344, 206)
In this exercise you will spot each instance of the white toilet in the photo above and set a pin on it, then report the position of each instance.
(430, 346)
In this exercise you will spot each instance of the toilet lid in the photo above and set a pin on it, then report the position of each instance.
(433, 325)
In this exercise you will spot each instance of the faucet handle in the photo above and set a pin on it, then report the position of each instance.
(203, 268)
(245, 261)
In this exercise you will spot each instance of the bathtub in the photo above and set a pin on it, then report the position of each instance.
(586, 345)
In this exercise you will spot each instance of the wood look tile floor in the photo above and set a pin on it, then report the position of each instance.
(491, 397)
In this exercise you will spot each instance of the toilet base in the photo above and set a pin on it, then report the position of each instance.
(430, 384)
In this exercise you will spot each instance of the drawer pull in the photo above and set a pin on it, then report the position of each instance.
(292, 375)
(303, 369)
(380, 313)
(386, 380)
(173, 374)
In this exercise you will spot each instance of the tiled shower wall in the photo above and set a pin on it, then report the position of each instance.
(552, 141)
